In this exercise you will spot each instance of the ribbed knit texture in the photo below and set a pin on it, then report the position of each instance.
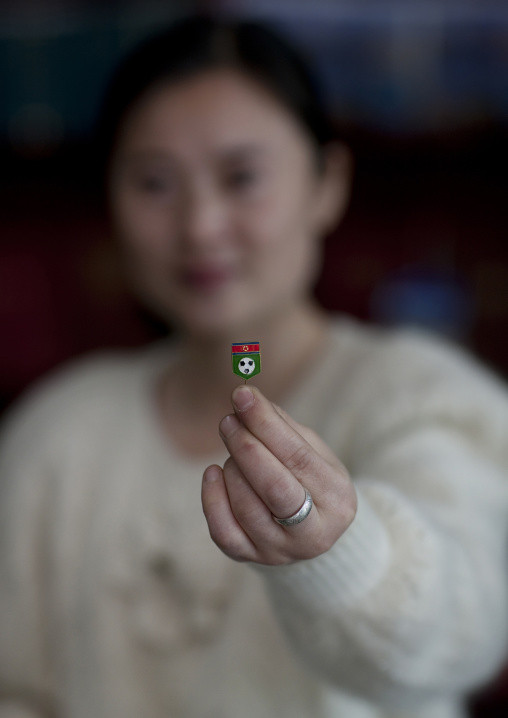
(114, 602)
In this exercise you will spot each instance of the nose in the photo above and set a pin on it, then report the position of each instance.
(204, 219)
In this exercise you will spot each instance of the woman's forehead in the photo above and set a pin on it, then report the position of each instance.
(221, 107)
(230, 151)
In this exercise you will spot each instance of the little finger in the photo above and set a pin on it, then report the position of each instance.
(224, 529)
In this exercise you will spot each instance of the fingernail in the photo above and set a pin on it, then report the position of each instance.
(212, 474)
(243, 398)
(228, 425)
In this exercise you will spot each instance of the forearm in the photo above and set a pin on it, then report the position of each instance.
(396, 606)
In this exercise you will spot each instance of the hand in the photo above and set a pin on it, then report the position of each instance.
(271, 459)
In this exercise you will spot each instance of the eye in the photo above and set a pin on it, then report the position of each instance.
(153, 184)
(242, 179)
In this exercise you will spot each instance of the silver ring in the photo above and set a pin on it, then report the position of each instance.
(300, 515)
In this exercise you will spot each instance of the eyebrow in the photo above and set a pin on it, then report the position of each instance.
(242, 150)
(228, 153)
(146, 154)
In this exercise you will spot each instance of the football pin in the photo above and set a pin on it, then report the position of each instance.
(246, 359)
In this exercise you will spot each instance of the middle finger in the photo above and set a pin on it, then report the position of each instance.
(282, 493)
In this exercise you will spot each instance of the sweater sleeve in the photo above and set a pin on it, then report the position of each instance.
(25, 661)
(411, 603)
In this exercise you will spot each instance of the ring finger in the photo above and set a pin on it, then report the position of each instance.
(249, 510)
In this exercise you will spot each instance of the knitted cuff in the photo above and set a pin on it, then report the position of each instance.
(347, 572)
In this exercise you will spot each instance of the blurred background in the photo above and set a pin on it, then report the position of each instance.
(418, 88)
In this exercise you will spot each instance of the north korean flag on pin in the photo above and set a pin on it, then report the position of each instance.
(246, 359)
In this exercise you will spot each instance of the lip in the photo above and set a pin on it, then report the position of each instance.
(206, 279)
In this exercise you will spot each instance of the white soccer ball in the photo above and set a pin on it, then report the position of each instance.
(246, 365)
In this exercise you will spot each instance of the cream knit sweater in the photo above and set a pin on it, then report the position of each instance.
(115, 603)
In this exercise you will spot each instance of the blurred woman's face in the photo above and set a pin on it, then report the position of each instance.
(218, 203)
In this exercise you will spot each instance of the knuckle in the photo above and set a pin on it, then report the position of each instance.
(281, 493)
(249, 449)
(300, 461)
(247, 452)
(249, 515)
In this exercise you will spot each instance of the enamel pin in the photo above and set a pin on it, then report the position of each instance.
(246, 359)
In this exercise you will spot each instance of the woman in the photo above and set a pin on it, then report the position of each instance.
(388, 597)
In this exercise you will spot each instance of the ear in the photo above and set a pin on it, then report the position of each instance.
(334, 187)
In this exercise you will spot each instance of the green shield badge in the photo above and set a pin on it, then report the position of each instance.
(246, 359)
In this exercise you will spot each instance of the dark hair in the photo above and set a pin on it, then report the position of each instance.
(198, 44)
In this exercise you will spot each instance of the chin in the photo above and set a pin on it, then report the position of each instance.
(205, 323)
(210, 317)
(231, 324)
